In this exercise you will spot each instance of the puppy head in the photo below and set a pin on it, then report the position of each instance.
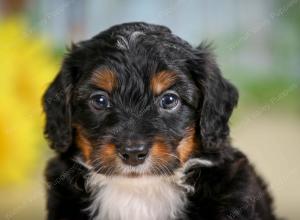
(138, 100)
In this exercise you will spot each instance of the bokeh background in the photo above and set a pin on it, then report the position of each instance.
(258, 49)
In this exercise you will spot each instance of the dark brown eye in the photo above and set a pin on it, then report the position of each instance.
(100, 101)
(169, 101)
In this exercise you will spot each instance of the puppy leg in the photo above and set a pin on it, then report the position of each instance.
(65, 198)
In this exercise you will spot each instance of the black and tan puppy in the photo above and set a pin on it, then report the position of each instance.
(139, 121)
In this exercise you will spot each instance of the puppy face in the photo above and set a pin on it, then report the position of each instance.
(137, 100)
(135, 119)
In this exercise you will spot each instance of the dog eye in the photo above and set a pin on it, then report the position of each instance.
(100, 101)
(169, 101)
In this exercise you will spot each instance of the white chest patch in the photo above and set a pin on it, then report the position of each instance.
(144, 198)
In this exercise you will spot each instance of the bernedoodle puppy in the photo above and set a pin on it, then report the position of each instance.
(139, 122)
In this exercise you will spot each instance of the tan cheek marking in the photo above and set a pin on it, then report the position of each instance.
(159, 151)
(162, 81)
(107, 153)
(187, 146)
(105, 79)
(83, 144)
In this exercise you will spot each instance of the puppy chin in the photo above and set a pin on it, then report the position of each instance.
(140, 170)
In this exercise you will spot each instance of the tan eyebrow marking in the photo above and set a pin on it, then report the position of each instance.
(162, 81)
(105, 79)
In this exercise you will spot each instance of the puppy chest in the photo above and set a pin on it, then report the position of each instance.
(147, 199)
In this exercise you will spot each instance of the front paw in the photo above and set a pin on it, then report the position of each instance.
(190, 173)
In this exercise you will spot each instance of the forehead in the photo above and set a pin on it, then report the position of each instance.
(137, 64)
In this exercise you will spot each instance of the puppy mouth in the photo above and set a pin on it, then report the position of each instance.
(149, 167)
(135, 171)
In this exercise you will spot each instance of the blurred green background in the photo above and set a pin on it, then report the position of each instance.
(257, 47)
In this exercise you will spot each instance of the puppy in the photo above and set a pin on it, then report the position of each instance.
(139, 121)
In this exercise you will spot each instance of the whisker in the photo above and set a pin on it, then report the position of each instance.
(163, 166)
(172, 155)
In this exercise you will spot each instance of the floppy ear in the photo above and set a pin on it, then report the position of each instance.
(56, 104)
(219, 97)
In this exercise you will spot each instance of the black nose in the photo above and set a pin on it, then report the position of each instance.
(133, 155)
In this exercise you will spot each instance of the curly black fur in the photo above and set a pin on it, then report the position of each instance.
(229, 189)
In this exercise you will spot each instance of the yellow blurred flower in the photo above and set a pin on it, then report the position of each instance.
(26, 69)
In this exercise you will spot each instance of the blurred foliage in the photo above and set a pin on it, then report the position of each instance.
(257, 89)
(277, 82)
(27, 66)
(276, 89)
